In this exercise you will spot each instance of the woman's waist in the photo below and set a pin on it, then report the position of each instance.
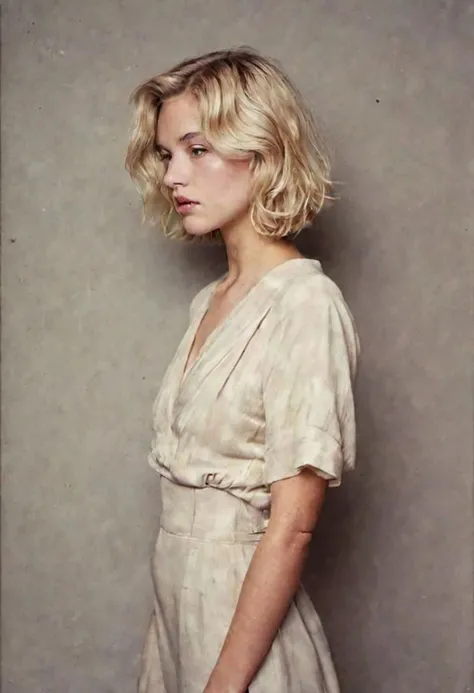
(209, 513)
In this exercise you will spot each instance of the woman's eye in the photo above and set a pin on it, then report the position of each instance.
(198, 151)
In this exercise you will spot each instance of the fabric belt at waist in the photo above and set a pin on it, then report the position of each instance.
(209, 513)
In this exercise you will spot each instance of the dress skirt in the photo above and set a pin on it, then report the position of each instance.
(204, 547)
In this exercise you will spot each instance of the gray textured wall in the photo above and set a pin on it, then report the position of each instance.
(94, 305)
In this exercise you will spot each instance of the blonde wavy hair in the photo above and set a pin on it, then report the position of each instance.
(247, 105)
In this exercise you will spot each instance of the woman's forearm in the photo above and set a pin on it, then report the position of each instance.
(272, 579)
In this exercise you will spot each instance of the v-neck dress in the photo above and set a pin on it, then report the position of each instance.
(270, 393)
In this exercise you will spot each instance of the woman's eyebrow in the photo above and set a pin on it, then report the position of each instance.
(189, 136)
(183, 138)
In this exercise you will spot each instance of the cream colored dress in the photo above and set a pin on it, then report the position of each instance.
(270, 393)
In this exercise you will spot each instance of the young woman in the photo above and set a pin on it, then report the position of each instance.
(255, 415)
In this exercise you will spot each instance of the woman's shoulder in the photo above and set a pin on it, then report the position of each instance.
(312, 310)
(309, 289)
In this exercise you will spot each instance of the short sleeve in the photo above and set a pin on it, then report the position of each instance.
(308, 384)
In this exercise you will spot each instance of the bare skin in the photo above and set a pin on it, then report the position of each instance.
(220, 188)
(227, 295)
(271, 581)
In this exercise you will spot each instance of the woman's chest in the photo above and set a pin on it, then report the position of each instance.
(222, 393)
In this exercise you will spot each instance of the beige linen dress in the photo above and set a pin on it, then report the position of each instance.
(270, 393)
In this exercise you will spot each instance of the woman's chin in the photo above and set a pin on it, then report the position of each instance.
(196, 229)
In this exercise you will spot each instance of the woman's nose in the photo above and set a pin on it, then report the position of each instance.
(176, 173)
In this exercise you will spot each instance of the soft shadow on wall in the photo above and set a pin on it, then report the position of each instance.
(341, 547)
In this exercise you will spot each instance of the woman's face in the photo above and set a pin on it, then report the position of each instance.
(210, 192)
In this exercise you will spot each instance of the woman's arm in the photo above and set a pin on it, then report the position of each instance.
(271, 581)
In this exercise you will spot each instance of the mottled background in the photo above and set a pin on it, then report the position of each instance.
(94, 305)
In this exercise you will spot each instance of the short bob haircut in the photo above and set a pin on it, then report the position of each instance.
(248, 106)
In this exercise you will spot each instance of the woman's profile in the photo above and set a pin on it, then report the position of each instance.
(255, 414)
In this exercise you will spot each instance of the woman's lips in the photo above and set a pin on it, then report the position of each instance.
(186, 207)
